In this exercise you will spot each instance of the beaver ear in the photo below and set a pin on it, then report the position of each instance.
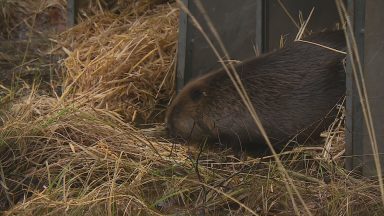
(197, 94)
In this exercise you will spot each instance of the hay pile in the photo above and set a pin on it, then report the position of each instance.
(76, 152)
(123, 63)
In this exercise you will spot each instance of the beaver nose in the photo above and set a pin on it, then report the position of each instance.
(169, 126)
(168, 118)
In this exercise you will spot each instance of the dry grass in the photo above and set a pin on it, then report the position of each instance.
(87, 161)
(122, 63)
(77, 153)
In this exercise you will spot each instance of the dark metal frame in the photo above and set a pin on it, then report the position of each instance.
(369, 34)
(182, 48)
(354, 117)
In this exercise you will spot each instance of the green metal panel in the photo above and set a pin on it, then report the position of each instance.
(374, 78)
(354, 117)
(238, 24)
(325, 16)
(367, 18)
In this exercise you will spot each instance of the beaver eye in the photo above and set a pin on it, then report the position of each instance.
(197, 94)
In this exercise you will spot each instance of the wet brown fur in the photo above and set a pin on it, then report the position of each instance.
(292, 89)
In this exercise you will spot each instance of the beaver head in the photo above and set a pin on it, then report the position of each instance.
(186, 117)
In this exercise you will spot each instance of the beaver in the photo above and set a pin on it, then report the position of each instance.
(292, 89)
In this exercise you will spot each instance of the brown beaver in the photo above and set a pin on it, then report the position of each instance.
(292, 90)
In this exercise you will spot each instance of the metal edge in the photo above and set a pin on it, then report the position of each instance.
(182, 48)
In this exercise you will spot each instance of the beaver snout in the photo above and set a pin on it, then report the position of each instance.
(178, 124)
